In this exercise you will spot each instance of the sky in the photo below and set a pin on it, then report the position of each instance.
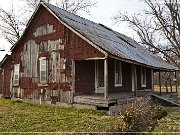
(102, 13)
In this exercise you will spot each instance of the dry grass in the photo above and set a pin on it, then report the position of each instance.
(25, 117)
(171, 123)
(163, 89)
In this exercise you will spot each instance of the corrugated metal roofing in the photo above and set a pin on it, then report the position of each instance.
(111, 41)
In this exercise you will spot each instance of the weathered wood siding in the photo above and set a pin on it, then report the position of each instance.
(1, 81)
(85, 77)
(5, 78)
(126, 77)
(47, 37)
(148, 79)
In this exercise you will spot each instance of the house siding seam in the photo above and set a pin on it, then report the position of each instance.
(47, 37)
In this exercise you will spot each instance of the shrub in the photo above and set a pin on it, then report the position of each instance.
(117, 124)
(141, 115)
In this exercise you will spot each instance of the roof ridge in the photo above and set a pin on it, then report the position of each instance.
(69, 12)
(99, 24)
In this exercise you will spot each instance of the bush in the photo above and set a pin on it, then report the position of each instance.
(117, 124)
(160, 112)
(141, 115)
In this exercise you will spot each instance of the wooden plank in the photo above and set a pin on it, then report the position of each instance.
(164, 100)
(135, 80)
(160, 81)
(90, 100)
(106, 78)
(152, 79)
(176, 83)
(132, 73)
(73, 80)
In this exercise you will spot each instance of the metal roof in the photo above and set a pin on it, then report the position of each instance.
(111, 41)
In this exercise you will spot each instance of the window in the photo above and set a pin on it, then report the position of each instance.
(43, 69)
(16, 75)
(143, 76)
(118, 73)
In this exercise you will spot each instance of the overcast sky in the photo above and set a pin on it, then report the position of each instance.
(102, 13)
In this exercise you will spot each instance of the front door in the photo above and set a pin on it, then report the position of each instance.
(99, 68)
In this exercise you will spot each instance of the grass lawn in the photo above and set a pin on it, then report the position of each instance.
(163, 88)
(16, 116)
(171, 123)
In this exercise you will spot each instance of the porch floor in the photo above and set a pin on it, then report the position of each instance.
(113, 98)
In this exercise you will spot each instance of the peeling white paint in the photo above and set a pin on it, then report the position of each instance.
(44, 30)
(29, 59)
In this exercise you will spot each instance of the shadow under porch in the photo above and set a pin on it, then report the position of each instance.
(95, 82)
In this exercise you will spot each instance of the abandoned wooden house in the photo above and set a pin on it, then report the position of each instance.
(64, 58)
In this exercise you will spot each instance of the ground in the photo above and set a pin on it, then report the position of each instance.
(16, 116)
(171, 123)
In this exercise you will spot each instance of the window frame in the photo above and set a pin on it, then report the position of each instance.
(16, 72)
(41, 59)
(117, 84)
(143, 76)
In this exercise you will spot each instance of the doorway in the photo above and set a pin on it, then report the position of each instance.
(99, 76)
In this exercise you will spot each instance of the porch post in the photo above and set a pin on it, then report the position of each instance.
(171, 85)
(176, 83)
(160, 81)
(135, 81)
(152, 81)
(73, 81)
(105, 78)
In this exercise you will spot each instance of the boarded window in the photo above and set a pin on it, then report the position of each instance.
(43, 69)
(16, 75)
(118, 73)
(143, 76)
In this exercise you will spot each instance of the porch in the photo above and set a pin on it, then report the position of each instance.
(105, 82)
(112, 99)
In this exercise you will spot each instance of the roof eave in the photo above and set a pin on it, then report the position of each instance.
(142, 64)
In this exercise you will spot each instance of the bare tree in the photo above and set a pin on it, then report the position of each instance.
(73, 6)
(158, 28)
(76, 6)
(10, 26)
